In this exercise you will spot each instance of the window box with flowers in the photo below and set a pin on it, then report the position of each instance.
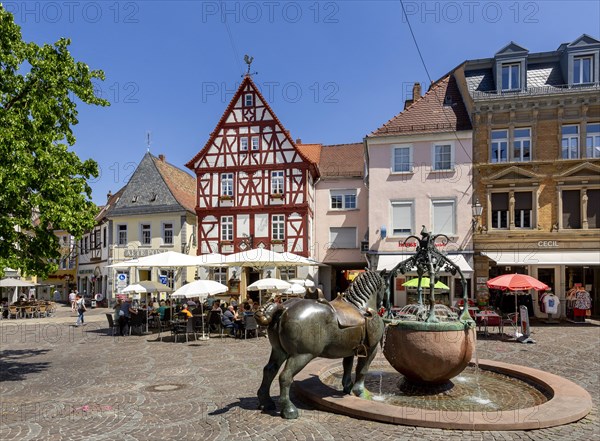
(226, 197)
(277, 241)
(277, 195)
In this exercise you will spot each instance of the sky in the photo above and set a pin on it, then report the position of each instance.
(333, 71)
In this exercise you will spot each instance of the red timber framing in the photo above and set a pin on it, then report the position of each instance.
(253, 181)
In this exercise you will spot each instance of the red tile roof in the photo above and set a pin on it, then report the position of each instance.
(312, 152)
(441, 109)
(342, 160)
(112, 200)
(181, 184)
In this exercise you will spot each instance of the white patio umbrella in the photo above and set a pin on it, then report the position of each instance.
(153, 286)
(201, 289)
(303, 282)
(169, 259)
(16, 283)
(295, 289)
(135, 288)
(262, 257)
(213, 259)
(269, 284)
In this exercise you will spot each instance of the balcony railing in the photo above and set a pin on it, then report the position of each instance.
(535, 91)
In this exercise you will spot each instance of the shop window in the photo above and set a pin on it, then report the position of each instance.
(523, 209)
(499, 210)
(571, 209)
(593, 208)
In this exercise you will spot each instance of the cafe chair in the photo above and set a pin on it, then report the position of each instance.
(137, 321)
(28, 312)
(13, 312)
(186, 328)
(511, 320)
(251, 325)
(112, 326)
(214, 322)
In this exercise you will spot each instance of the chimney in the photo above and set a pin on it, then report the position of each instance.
(161, 157)
(108, 195)
(298, 141)
(416, 91)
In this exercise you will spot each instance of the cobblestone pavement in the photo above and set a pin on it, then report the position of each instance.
(58, 382)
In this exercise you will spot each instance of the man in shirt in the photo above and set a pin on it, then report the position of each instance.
(125, 315)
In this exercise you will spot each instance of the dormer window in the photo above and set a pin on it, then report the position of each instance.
(511, 76)
(248, 100)
(582, 70)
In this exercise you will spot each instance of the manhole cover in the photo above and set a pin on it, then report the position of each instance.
(165, 387)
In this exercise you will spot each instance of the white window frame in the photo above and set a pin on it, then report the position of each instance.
(495, 145)
(409, 165)
(278, 227)
(592, 142)
(226, 228)
(220, 275)
(248, 100)
(411, 205)
(579, 79)
(288, 272)
(244, 144)
(277, 182)
(255, 143)
(569, 137)
(346, 196)
(165, 229)
(227, 184)
(436, 230)
(511, 80)
(520, 141)
(434, 164)
(521, 213)
(499, 212)
(352, 231)
(122, 234)
(143, 230)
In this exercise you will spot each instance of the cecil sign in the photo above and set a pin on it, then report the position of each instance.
(547, 243)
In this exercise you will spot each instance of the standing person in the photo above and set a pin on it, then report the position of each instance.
(56, 295)
(125, 315)
(80, 304)
(72, 298)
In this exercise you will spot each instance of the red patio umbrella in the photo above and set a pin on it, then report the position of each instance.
(516, 282)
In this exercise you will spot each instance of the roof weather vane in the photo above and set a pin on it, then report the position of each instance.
(148, 141)
(248, 60)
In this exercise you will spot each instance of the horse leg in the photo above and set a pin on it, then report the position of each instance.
(278, 356)
(347, 376)
(293, 365)
(362, 367)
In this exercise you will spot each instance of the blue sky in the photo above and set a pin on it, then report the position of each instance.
(332, 71)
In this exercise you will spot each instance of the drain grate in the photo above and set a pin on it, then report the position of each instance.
(165, 387)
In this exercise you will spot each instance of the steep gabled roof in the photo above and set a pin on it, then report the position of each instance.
(441, 109)
(311, 151)
(246, 82)
(105, 209)
(342, 160)
(181, 183)
(156, 187)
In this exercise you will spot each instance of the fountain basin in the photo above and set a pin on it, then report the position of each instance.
(430, 353)
(568, 403)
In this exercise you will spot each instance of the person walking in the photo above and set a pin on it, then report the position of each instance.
(72, 299)
(80, 304)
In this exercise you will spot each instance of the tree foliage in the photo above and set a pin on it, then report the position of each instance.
(43, 184)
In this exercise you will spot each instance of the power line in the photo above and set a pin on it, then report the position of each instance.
(235, 52)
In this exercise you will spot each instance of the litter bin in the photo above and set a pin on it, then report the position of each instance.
(93, 304)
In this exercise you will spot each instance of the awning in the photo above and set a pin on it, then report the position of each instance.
(534, 257)
(389, 261)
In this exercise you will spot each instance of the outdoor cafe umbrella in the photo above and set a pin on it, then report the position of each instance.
(269, 284)
(295, 289)
(303, 282)
(16, 284)
(516, 282)
(262, 258)
(201, 289)
(414, 283)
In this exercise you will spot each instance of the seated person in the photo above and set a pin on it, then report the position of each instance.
(185, 312)
(161, 310)
(229, 320)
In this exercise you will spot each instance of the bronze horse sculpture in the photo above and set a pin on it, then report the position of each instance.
(302, 329)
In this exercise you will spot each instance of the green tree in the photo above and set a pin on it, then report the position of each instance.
(43, 185)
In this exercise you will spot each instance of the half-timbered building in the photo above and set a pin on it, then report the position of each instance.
(255, 185)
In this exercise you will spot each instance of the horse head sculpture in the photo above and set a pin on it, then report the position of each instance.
(302, 329)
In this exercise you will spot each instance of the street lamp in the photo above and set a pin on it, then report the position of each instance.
(477, 209)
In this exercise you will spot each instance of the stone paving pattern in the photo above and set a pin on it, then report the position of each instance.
(58, 382)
